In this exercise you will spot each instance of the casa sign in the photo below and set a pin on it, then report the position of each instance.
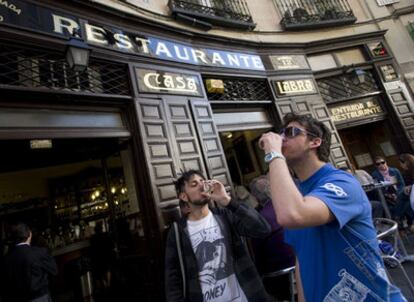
(31, 16)
(294, 87)
(157, 81)
(355, 110)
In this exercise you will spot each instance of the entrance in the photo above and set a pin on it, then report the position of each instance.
(363, 143)
(243, 154)
(64, 188)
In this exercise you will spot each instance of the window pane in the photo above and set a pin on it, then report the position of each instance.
(350, 56)
(321, 62)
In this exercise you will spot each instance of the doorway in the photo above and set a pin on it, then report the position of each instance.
(362, 143)
(64, 188)
(243, 155)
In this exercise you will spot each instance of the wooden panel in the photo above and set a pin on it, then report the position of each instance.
(209, 137)
(158, 148)
(338, 155)
(184, 135)
(315, 106)
(401, 103)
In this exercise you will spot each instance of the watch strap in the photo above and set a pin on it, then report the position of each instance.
(269, 157)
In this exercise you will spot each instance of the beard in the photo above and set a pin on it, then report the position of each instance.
(200, 202)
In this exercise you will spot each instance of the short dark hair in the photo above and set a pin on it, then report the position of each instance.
(315, 127)
(185, 177)
(19, 232)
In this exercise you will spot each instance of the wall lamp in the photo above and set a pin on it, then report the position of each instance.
(77, 52)
(358, 75)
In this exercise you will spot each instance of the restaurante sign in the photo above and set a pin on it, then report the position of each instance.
(356, 110)
(39, 18)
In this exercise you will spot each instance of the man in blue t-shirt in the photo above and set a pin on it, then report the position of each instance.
(327, 217)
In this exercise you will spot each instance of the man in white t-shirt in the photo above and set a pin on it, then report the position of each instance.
(216, 265)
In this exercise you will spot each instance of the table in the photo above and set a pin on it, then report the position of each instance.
(378, 188)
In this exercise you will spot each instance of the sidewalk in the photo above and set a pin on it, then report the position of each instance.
(398, 277)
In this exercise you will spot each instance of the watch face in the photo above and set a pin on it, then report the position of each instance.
(268, 157)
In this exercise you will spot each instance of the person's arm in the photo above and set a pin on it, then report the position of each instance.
(369, 179)
(400, 181)
(245, 219)
(49, 264)
(173, 277)
(293, 209)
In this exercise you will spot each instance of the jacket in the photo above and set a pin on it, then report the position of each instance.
(393, 172)
(235, 221)
(25, 273)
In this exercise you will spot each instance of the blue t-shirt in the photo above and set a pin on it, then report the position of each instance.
(340, 261)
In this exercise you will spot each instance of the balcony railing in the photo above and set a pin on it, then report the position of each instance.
(306, 14)
(231, 13)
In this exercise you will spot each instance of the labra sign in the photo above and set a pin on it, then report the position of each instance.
(25, 14)
(294, 87)
(156, 81)
(355, 110)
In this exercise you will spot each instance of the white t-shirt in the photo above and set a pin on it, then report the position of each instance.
(216, 273)
(412, 198)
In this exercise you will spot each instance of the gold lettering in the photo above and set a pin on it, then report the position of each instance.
(286, 87)
(168, 81)
(301, 85)
(293, 86)
(180, 82)
(356, 110)
(192, 86)
(279, 87)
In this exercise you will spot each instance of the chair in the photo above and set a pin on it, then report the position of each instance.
(291, 272)
(387, 228)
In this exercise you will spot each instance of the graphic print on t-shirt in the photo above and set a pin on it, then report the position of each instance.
(350, 289)
(216, 275)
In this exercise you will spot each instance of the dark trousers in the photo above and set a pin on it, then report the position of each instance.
(44, 298)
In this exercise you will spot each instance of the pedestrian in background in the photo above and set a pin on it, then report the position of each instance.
(407, 165)
(327, 217)
(271, 253)
(389, 174)
(26, 268)
(365, 179)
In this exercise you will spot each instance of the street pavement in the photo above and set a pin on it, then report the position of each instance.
(396, 274)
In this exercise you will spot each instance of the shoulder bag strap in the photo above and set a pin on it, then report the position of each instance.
(180, 257)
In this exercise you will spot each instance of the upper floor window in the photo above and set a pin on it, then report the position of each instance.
(307, 14)
(231, 13)
(335, 59)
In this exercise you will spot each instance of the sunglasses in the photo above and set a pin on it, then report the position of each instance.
(380, 163)
(290, 132)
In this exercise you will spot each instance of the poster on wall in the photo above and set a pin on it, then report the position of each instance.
(388, 73)
(377, 49)
(388, 149)
(363, 160)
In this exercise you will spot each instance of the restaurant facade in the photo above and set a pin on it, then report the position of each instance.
(103, 145)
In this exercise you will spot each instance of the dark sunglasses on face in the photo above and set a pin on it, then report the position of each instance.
(290, 132)
(380, 162)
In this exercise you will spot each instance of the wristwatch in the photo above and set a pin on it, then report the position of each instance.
(273, 155)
